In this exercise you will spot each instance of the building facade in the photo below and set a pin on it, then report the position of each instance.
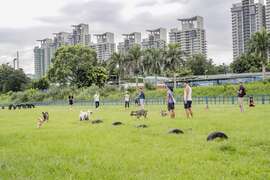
(62, 39)
(80, 35)
(157, 38)
(267, 14)
(191, 36)
(104, 46)
(129, 41)
(43, 55)
(248, 17)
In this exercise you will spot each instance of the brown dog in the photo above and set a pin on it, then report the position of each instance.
(44, 118)
(163, 113)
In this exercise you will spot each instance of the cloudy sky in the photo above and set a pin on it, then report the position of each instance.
(22, 22)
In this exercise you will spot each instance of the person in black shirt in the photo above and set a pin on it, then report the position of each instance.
(70, 101)
(241, 94)
(141, 98)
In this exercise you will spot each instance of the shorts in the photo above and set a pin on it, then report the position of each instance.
(188, 105)
(70, 102)
(240, 100)
(170, 106)
(141, 102)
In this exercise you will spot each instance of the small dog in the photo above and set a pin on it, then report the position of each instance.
(139, 113)
(44, 118)
(163, 113)
(85, 116)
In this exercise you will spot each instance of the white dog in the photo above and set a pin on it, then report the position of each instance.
(85, 116)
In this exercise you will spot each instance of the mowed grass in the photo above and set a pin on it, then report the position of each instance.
(65, 148)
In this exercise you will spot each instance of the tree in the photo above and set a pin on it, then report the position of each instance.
(74, 65)
(260, 46)
(41, 84)
(153, 61)
(245, 63)
(101, 76)
(134, 57)
(174, 59)
(116, 65)
(200, 65)
(11, 79)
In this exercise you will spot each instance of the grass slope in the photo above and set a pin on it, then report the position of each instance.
(68, 149)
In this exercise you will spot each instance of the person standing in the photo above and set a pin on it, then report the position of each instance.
(127, 100)
(141, 98)
(96, 99)
(188, 100)
(170, 102)
(70, 101)
(241, 94)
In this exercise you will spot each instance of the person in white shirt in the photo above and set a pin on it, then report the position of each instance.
(96, 99)
(188, 100)
(127, 99)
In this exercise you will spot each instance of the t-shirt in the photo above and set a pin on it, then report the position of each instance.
(170, 96)
(141, 96)
(126, 97)
(242, 91)
(96, 98)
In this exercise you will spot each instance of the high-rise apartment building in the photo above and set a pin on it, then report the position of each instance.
(43, 55)
(129, 41)
(62, 39)
(80, 35)
(104, 46)
(191, 36)
(267, 15)
(157, 38)
(248, 17)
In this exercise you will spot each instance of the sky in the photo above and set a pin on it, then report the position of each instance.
(22, 22)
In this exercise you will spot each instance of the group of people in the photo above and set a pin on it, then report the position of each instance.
(187, 99)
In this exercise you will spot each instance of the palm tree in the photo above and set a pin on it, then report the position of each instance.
(117, 64)
(260, 46)
(174, 59)
(155, 60)
(135, 60)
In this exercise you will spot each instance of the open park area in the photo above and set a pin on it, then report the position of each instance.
(66, 148)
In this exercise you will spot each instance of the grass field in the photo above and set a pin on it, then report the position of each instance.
(65, 148)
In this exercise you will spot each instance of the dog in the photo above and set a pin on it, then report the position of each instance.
(85, 116)
(139, 113)
(163, 113)
(44, 118)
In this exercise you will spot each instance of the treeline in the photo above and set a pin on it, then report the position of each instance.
(167, 62)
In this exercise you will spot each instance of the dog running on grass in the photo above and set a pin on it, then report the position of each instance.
(44, 118)
(85, 116)
(139, 113)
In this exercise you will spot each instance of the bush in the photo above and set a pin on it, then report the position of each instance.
(150, 86)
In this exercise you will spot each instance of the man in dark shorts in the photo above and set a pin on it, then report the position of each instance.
(187, 97)
(170, 102)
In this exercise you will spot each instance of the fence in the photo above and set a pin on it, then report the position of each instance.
(258, 99)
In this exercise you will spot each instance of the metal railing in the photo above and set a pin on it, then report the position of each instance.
(203, 100)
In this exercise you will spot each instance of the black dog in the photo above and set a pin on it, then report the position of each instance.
(139, 113)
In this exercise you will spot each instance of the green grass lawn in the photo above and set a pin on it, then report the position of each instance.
(65, 148)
